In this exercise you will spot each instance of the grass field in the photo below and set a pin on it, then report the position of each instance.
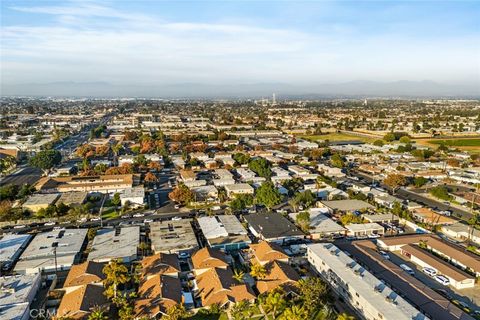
(457, 142)
(471, 145)
(338, 137)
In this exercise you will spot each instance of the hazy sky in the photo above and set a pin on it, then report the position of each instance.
(170, 42)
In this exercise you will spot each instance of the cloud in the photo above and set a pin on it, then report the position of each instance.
(93, 42)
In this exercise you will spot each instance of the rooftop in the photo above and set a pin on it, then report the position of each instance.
(272, 225)
(115, 243)
(172, 236)
(10, 244)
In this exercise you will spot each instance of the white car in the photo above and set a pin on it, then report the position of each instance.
(176, 218)
(95, 219)
(148, 221)
(384, 255)
(19, 227)
(82, 220)
(407, 269)
(51, 223)
(177, 206)
(430, 271)
(138, 215)
(373, 236)
(443, 280)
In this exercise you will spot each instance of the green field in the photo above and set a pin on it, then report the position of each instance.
(457, 142)
(338, 137)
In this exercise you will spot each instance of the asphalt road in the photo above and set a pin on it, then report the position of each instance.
(414, 291)
(26, 175)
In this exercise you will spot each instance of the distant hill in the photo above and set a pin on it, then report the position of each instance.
(361, 88)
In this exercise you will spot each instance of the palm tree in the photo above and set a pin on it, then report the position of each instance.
(98, 313)
(345, 316)
(258, 271)
(176, 312)
(275, 302)
(116, 273)
(116, 149)
(294, 312)
(240, 310)
(238, 275)
(143, 246)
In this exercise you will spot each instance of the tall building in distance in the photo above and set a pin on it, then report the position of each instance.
(274, 101)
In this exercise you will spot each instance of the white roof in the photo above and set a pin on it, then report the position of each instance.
(373, 291)
(10, 244)
(21, 287)
(355, 227)
(68, 242)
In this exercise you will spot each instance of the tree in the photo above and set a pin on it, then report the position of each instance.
(46, 160)
(261, 167)
(389, 137)
(98, 313)
(241, 158)
(241, 310)
(150, 178)
(116, 274)
(241, 202)
(274, 303)
(258, 271)
(441, 192)
(295, 312)
(116, 201)
(314, 293)
(303, 220)
(177, 312)
(405, 139)
(181, 194)
(345, 316)
(238, 275)
(420, 181)
(337, 161)
(379, 143)
(395, 181)
(268, 195)
(306, 198)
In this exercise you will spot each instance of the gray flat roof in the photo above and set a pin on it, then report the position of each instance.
(115, 243)
(348, 270)
(69, 242)
(10, 244)
(69, 198)
(40, 199)
(21, 287)
(173, 236)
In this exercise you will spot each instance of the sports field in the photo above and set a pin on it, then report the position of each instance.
(471, 145)
(338, 137)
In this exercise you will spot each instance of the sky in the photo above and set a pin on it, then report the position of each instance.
(159, 44)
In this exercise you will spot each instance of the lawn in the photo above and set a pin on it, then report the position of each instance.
(109, 213)
(457, 142)
(338, 137)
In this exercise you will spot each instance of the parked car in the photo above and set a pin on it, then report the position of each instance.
(176, 218)
(373, 236)
(50, 223)
(148, 221)
(407, 269)
(138, 215)
(96, 219)
(21, 226)
(177, 206)
(430, 272)
(183, 255)
(442, 279)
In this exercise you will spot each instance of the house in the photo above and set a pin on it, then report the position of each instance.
(331, 172)
(218, 286)
(360, 230)
(40, 201)
(279, 275)
(346, 206)
(133, 196)
(173, 236)
(78, 303)
(83, 274)
(272, 227)
(380, 218)
(156, 295)
(265, 252)
(224, 232)
(321, 225)
(205, 193)
(118, 243)
(238, 188)
(160, 263)
(73, 198)
(188, 175)
(428, 216)
(461, 232)
(208, 258)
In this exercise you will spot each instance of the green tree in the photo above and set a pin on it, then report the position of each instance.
(314, 293)
(241, 158)
(46, 160)
(98, 313)
(379, 143)
(268, 195)
(258, 271)
(441, 192)
(345, 316)
(274, 303)
(405, 139)
(261, 167)
(241, 202)
(420, 181)
(238, 275)
(337, 161)
(116, 274)
(116, 201)
(294, 312)
(303, 220)
(177, 312)
(389, 137)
